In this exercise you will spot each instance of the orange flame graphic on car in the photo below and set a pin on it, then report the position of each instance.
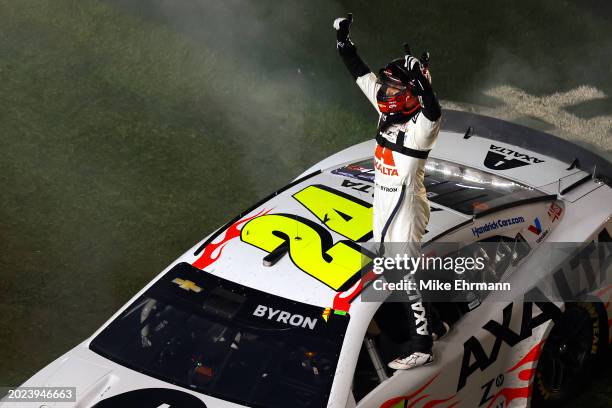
(213, 251)
(525, 374)
(342, 300)
(413, 399)
(523, 370)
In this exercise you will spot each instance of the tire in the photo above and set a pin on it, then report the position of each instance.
(572, 351)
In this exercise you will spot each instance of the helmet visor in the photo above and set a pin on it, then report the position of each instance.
(390, 90)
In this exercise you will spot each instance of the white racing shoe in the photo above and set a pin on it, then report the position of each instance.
(416, 359)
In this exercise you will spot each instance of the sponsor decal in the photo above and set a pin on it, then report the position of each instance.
(493, 225)
(541, 237)
(523, 371)
(358, 167)
(536, 227)
(328, 311)
(326, 314)
(387, 189)
(213, 251)
(586, 262)
(187, 285)
(474, 351)
(285, 317)
(361, 171)
(384, 161)
(354, 185)
(502, 158)
(554, 212)
(152, 398)
(420, 319)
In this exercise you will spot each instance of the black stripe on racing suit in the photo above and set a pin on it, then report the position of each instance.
(429, 102)
(351, 59)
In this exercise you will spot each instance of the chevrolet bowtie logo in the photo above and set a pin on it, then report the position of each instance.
(187, 285)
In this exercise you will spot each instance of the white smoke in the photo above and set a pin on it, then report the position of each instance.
(516, 105)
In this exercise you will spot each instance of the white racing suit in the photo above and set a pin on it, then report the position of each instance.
(401, 208)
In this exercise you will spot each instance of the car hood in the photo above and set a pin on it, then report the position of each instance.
(101, 383)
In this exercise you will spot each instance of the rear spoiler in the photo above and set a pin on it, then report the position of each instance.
(521, 136)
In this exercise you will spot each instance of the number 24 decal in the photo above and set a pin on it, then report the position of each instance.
(311, 246)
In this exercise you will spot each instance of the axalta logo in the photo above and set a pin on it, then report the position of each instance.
(420, 321)
(475, 355)
(501, 158)
(384, 162)
(493, 225)
(282, 316)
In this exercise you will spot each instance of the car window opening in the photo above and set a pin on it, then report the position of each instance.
(461, 188)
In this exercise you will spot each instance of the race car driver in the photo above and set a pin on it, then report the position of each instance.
(408, 126)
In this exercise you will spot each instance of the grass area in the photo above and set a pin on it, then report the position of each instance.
(129, 132)
(119, 152)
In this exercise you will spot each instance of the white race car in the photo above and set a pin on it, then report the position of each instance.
(267, 311)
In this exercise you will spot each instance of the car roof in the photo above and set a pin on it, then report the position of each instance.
(228, 255)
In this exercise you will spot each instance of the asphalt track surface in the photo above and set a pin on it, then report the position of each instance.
(130, 130)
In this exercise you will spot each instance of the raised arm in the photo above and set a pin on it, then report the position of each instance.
(430, 107)
(365, 78)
